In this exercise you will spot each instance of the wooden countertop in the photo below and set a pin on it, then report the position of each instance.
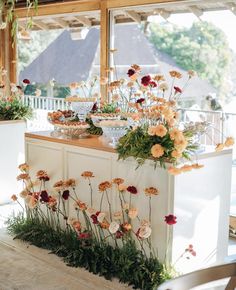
(92, 142)
(98, 143)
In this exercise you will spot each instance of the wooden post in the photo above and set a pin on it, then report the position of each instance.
(104, 46)
(12, 56)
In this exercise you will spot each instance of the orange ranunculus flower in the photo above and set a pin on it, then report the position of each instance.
(175, 74)
(104, 186)
(219, 147)
(174, 170)
(23, 176)
(14, 197)
(149, 191)
(197, 166)
(229, 142)
(59, 185)
(87, 174)
(118, 181)
(126, 227)
(186, 168)
(24, 167)
(70, 182)
(176, 154)
(157, 151)
(160, 130)
(105, 225)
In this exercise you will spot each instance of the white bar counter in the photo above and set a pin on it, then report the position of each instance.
(200, 198)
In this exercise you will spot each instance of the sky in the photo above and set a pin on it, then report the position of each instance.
(223, 19)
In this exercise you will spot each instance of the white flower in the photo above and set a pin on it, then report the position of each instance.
(101, 216)
(145, 232)
(163, 86)
(113, 227)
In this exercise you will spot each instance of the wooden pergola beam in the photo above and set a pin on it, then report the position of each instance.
(84, 20)
(134, 16)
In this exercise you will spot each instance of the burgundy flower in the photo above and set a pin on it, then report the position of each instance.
(130, 72)
(65, 194)
(119, 235)
(26, 81)
(170, 219)
(84, 236)
(44, 196)
(94, 217)
(132, 189)
(153, 84)
(140, 101)
(178, 90)
(145, 81)
(191, 250)
(95, 107)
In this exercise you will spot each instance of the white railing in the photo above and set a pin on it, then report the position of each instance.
(222, 124)
(45, 103)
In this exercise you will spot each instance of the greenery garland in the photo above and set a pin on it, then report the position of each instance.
(128, 264)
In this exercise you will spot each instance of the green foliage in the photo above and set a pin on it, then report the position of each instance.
(203, 47)
(126, 263)
(109, 108)
(93, 130)
(138, 143)
(14, 110)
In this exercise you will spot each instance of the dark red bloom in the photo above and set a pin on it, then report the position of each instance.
(178, 90)
(94, 217)
(140, 101)
(130, 72)
(191, 250)
(119, 235)
(65, 194)
(84, 236)
(132, 189)
(153, 84)
(19, 87)
(26, 81)
(145, 81)
(170, 219)
(95, 107)
(44, 196)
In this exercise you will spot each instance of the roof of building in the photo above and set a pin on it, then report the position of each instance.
(67, 60)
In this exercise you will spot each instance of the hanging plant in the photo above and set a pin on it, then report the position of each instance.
(7, 14)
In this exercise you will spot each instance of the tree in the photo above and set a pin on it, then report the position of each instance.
(203, 47)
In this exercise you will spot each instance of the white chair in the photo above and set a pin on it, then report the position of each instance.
(200, 277)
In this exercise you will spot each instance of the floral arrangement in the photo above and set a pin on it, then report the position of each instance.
(83, 91)
(11, 106)
(156, 133)
(110, 243)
